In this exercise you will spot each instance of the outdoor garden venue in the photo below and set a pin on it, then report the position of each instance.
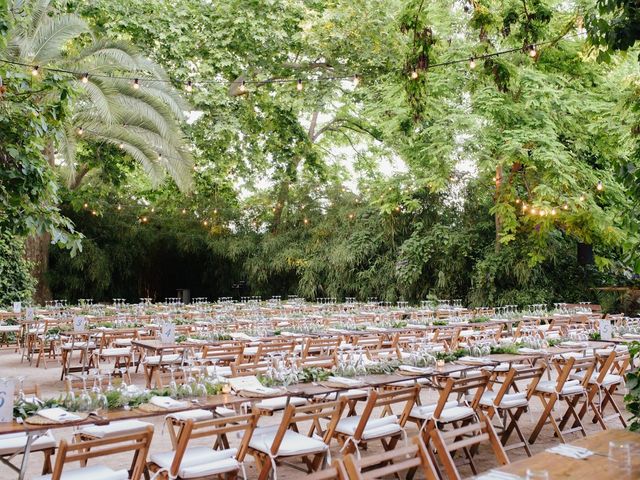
(320, 239)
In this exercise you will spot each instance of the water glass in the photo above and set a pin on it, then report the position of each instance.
(620, 454)
(537, 474)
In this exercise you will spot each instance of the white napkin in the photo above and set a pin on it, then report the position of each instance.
(262, 390)
(412, 369)
(527, 350)
(571, 343)
(167, 402)
(497, 475)
(474, 360)
(570, 451)
(347, 382)
(58, 415)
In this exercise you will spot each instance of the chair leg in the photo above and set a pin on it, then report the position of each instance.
(546, 413)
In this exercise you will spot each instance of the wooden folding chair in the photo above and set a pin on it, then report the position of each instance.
(356, 430)
(509, 403)
(137, 443)
(565, 390)
(272, 445)
(314, 347)
(202, 462)
(408, 459)
(463, 438)
(603, 385)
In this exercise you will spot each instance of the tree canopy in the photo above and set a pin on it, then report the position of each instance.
(458, 149)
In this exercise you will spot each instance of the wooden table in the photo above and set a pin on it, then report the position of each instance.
(596, 466)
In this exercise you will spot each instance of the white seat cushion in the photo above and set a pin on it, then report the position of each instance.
(122, 342)
(155, 359)
(225, 412)
(116, 428)
(15, 442)
(219, 370)
(199, 461)
(509, 400)
(425, 412)
(78, 345)
(93, 472)
(351, 393)
(609, 378)
(195, 415)
(411, 383)
(570, 387)
(278, 403)
(114, 352)
(250, 351)
(292, 443)
(455, 413)
(376, 427)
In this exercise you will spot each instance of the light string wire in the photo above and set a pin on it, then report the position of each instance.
(84, 75)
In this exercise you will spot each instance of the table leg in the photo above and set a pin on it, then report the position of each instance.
(31, 437)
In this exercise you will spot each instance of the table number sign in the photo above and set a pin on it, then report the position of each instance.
(606, 329)
(30, 314)
(7, 389)
(79, 324)
(17, 307)
(168, 332)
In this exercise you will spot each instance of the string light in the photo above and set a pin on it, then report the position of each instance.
(184, 210)
(356, 80)
(243, 87)
(121, 146)
(86, 205)
(144, 219)
(80, 131)
(299, 85)
(582, 198)
(93, 212)
(351, 216)
(532, 51)
(534, 211)
(414, 75)
(189, 87)
(136, 84)
(35, 71)
(517, 201)
(565, 206)
(600, 186)
(553, 212)
(306, 221)
(524, 207)
(119, 207)
(472, 63)
(85, 78)
(205, 223)
(215, 211)
(543, 213)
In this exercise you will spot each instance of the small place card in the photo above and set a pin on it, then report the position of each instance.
(17, 307)
(7, 390)
(168, 332)
(606, 329)
(30, 314)
(245, 383)
(79, 324)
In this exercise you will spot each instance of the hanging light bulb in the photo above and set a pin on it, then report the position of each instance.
(243, 87)
(553, 212)
(215, 211)
(80, 131)
(524, 207)
(136, 84)
(189, 87)
(565, 206)
(414, 75)
(299, 85)
(534, 211)
(85, 78)
(532, 51)
(205, 223)
(582, 198)
(35, 71)
(356, 80)
(517, 201)
(93, 212)
(306, 221)
(600, 186)
(184, 210)
(472, 63)
(144, 219)
(351, 216)
(121, 146)
(119, 207)
(543, 213)
(86, 205)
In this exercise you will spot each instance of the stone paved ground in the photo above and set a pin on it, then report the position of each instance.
(48, 380)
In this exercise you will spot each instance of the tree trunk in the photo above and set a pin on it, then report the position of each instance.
(37, 251)
(37, 248)
(498, 220)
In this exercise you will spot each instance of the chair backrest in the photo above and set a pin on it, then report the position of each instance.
(223, 353)
(138, 443)
(320, 346)
(247, 369)
(335, 472)
(515, 375)
(414, 456)
(192, 430)
(294, 416)
(462, 386)
(403, 397)
(464, 437)
(572, 365)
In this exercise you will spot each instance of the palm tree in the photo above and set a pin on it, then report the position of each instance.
(143, 119)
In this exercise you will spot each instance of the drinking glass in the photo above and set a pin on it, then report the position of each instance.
(620, 454)
(537, 474)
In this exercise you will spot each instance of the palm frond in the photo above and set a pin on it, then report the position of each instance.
(52, 34)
